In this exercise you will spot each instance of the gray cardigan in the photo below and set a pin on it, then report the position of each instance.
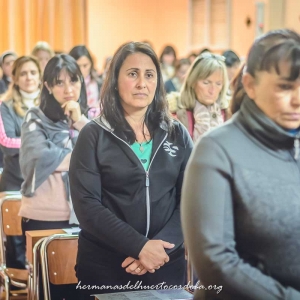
(241, 209)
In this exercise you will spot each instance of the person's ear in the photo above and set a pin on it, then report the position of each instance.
(48, 88)
(249, 85)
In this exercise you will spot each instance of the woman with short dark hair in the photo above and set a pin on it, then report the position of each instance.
(126, 174)
(241, 200)
(6, 63)
(49, 133)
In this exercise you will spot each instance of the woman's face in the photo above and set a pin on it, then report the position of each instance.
(276, 96)
(208, 90)
(137, 82)
(85, 66)
(231, 71)
(66, 89)
(43, 58)
(181, 72)
(168, 59)
(29, 77)
(8, 64)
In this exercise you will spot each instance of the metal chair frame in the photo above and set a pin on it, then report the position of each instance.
(7, 196)
(34, 274)
(44, 259)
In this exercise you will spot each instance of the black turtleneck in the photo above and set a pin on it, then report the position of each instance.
(241, 209)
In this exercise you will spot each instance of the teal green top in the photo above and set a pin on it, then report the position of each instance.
(143, 152)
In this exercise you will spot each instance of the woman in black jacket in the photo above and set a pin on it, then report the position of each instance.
(126, 174)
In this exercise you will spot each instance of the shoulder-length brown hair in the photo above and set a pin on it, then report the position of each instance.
(112, 110)
(13, 92)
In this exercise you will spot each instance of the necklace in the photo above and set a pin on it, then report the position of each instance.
(141, 146)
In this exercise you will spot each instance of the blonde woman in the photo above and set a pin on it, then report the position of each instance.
(43, 52)
(202, 103)
(24, 94)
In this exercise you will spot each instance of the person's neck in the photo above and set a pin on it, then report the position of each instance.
(136, 121)
(29, 96)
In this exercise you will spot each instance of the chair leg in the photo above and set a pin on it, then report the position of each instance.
(7, 287)
(29, 287)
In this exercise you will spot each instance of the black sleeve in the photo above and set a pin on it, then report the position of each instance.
(172, 231)
(85, 183)
(208, 226)
(9, 141)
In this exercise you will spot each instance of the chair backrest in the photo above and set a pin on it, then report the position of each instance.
(10, 222)
(58, 258)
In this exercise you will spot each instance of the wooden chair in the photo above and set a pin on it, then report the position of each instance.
(58, 258)
(10, 225)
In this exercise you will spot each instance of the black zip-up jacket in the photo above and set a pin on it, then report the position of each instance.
(119, 205)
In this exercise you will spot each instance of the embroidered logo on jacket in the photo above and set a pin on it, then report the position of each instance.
(170, 149)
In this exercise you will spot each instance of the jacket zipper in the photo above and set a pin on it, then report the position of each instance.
(147, 176)
(148, 185)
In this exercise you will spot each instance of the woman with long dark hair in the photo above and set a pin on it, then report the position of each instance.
(167, 62)
(126, 174)
(91, 79)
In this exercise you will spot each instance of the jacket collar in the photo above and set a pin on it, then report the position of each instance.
(262, 128)
(159, 137)
(104, 123)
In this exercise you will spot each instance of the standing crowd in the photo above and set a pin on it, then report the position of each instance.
(158, 157)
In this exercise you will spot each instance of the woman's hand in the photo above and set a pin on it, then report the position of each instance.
(72, 110)
(133, 266)
(153, 254)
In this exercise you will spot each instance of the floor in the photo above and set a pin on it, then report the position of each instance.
(2, 297)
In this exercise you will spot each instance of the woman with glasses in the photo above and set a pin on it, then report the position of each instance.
(202, 101)
(241, 200)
